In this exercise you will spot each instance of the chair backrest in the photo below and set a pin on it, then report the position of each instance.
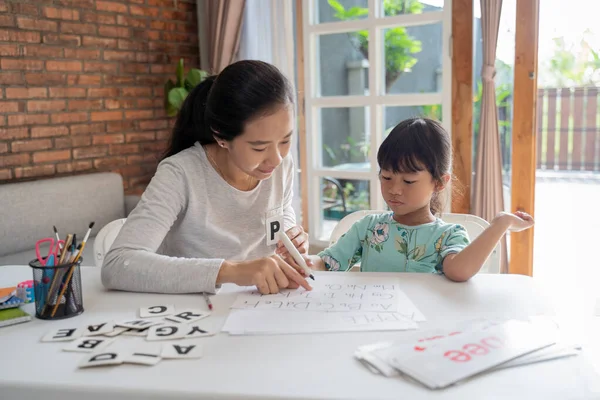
(475, 226)
(105, 239)
(347, 222)
(29, 209)
(472, 223)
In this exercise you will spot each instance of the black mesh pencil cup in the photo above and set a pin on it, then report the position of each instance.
(57, 290)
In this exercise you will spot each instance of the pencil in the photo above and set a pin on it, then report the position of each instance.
(208, 302)
(55, 285)
(63, 254)
(72, 269)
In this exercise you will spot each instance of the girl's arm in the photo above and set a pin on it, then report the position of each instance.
(462, 266)
(316, 263)
(343, 254)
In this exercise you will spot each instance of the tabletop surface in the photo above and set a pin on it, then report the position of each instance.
(311, 366)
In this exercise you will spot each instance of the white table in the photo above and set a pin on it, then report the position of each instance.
(288, 366)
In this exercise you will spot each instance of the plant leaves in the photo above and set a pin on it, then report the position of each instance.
(177, 96)
(330, 152)
(356, 12)
(339, 9)
(194, 77)
(170, 110)
(180, 73)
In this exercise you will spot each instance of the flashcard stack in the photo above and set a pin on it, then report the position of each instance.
(168, 333)
(443, 357)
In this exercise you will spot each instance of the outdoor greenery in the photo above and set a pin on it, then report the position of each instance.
(176, 92)
(398, 44)
(400, 48)
(352, 149)
(574, 66)
(355, 199)
(433, 111)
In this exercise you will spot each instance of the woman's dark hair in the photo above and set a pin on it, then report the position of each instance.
(418, 144)
(222, 104)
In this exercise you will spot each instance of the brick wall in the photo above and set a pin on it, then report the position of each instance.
(81, 85)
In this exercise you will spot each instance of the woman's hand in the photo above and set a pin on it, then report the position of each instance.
(519, 221)
(300, 240)
(298, 237)
(268, 274)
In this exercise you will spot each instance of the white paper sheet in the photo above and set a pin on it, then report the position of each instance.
(265, 322)
(344, 293)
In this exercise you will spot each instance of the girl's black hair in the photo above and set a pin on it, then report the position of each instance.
(414, 145)
(222, 104)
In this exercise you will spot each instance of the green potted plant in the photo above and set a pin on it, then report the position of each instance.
(176, 92)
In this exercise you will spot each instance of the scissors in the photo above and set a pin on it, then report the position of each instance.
(53, 252)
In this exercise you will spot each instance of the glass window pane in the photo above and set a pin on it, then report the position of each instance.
(341, 10)
(340, 197)
(345, 138)
(402, 7)
(343, 65)
(413, 59)
(393, 115)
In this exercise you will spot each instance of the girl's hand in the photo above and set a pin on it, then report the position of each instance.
(316, 263)
(519, 221)
(300, 240)
(268, 274)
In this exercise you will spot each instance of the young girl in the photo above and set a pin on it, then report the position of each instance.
(212, 209)
(414, 162)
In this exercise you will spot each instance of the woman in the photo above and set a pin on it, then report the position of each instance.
(210, 214)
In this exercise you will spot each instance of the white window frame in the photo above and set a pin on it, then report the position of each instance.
(375, 101)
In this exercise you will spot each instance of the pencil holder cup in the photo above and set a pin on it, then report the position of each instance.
(57, 290)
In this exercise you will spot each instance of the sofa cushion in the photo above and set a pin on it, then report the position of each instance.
(24, 257)
(30, 209)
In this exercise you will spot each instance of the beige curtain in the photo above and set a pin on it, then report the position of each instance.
(220, 26)
(487, 191)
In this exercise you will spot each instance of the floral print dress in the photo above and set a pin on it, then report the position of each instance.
(381, 244)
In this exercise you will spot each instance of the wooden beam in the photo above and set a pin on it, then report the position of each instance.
(462, 102)
(524, 131)
(301, 112)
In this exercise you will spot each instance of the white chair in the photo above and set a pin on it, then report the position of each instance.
(347, 222)
(472, 223)
(105, 238)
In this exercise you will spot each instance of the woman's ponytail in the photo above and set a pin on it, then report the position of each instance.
(191, 125)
